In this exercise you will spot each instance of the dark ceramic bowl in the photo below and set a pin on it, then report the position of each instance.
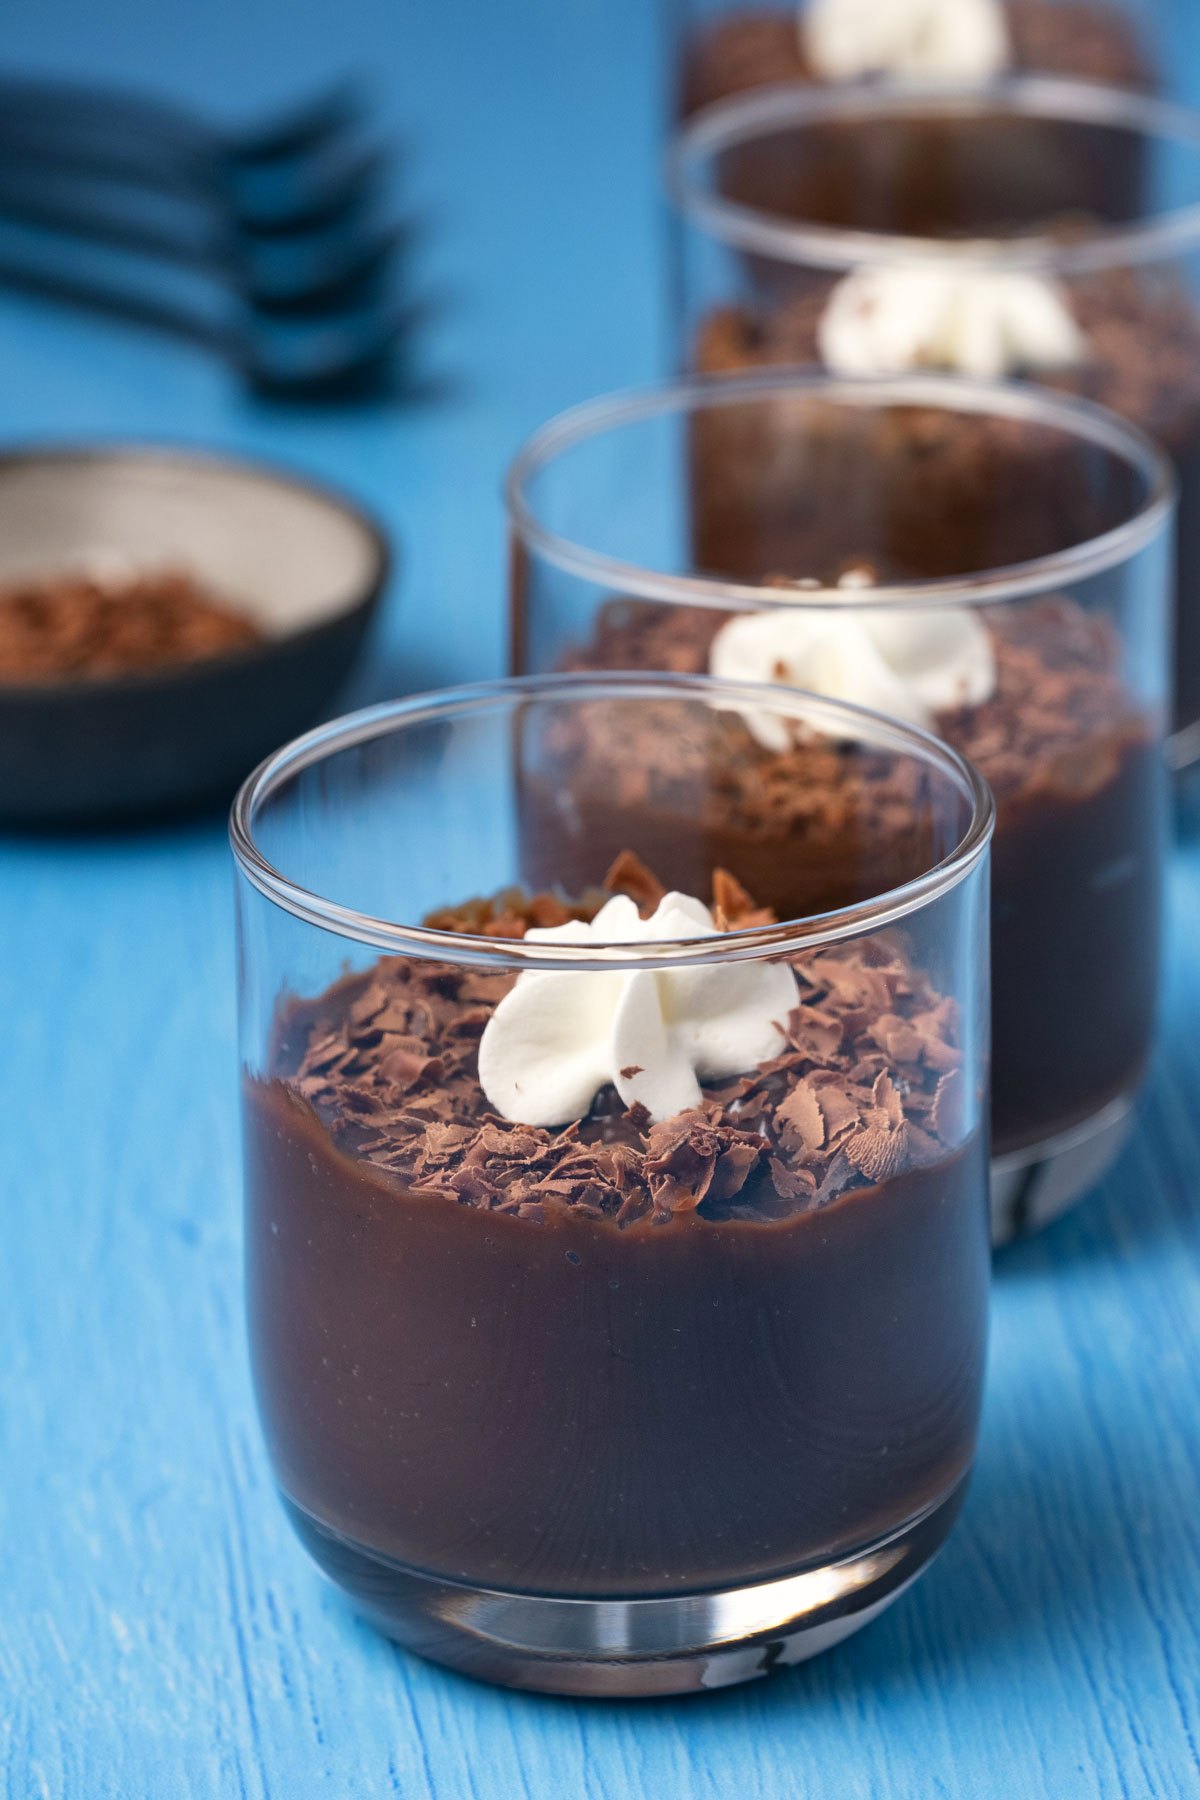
(304, 564)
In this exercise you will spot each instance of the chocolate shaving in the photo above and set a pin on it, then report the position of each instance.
(879, 1147)
(510, 914)
(630, 876)
(733, 909)
(793, 1183)
(801, 1121)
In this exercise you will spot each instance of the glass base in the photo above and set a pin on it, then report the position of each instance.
(679, 1644)
(1183, 748)
(1034, 1186)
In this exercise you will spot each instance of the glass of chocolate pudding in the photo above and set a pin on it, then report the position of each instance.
(1037, 230)
(726, 47)
(989, 563)
(616, 1242)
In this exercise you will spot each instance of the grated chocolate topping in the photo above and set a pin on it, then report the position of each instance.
(1142, 329)
(869, 1083)
(1058, 722)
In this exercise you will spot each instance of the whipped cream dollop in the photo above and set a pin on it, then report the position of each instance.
(933, 40)
(964, 320)
(908, 662)
(558, 1037)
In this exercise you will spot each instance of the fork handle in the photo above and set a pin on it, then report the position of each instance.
(34, 201)
(187, 171)
(57, 108)
(47, 279)
(74, 112)
(334, 185)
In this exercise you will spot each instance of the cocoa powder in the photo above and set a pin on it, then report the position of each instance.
(88, 627)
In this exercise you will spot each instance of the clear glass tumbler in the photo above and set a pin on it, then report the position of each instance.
(616, 1249)
(1038, 229)
(719, 48)
(991, 562)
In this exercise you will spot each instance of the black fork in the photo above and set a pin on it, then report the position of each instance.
(280, 219)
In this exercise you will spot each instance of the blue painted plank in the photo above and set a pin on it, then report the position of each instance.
(160, 1634)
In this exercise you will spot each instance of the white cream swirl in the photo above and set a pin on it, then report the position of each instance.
(939, 40)
(908, 662)
(558, 1037)
(965, 320)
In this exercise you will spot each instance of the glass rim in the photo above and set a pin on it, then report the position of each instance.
(1022, 401)
(742, 118)
(428, 942)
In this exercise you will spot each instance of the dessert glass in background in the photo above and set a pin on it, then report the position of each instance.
(1039, 230)
(990, 562)
(617, 1293)
(727, 47)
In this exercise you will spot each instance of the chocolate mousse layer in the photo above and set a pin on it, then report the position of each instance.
(1087, 40)
(623, 1357)
(1076, 768)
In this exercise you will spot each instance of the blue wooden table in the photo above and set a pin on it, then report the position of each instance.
(160, 1633)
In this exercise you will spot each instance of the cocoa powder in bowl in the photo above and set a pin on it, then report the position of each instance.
(90, 626)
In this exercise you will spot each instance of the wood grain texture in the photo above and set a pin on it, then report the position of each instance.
(160, 1633)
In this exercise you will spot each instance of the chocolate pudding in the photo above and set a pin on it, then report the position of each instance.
(619, 1358)
(1086, 40)
(1143, 337)
(1075, 764)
